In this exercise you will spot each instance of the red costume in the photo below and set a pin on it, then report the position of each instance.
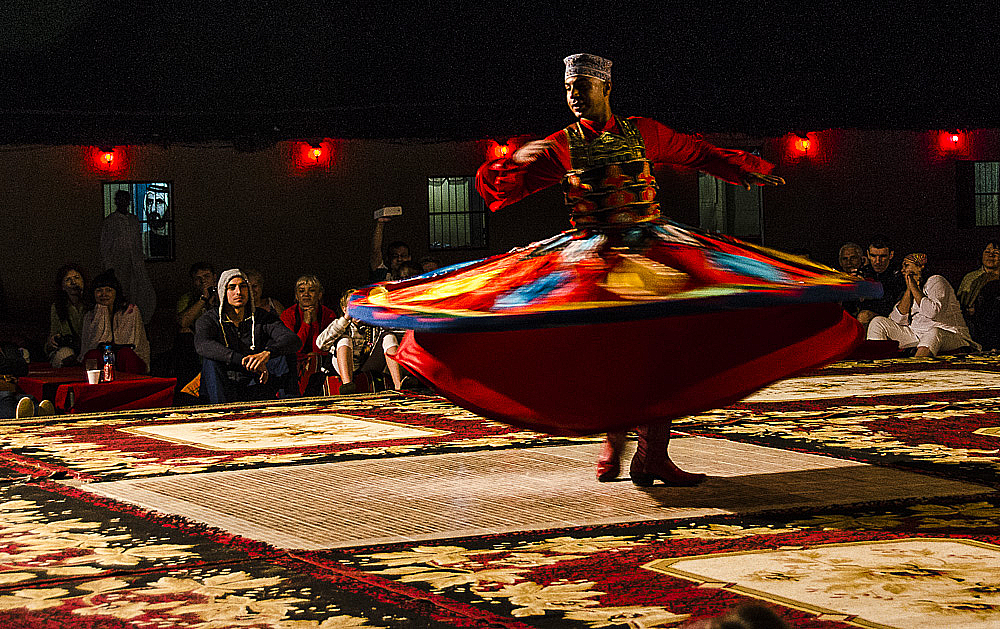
(503, 182)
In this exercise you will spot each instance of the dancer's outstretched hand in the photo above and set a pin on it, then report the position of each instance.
(530, 151)
(760, 179)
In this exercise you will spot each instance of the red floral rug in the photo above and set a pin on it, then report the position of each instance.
(917, 565)
(66, 563)
(210, 438)
(68, 559)
(935, 416)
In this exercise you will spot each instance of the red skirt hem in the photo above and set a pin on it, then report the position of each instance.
(577, 380)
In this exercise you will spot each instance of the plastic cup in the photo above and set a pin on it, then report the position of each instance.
(93, 376)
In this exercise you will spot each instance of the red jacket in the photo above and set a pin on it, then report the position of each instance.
(502, 182)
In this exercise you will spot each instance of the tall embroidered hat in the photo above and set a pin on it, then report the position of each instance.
(588, 65)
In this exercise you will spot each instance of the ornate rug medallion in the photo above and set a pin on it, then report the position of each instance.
(901, 583)
(257, 433)
(898, 383)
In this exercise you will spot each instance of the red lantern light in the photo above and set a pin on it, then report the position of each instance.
(799, 144)
(499, 151)
(107, 158)
(311, 155)
(951, 141)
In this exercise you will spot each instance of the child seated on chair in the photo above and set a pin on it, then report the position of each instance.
(358, 347)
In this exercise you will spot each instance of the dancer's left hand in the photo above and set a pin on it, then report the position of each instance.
(760, 179)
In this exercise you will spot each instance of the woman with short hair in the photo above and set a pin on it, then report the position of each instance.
(307, 317)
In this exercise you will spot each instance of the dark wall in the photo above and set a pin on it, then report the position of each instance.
(256, 209)
(853, 184)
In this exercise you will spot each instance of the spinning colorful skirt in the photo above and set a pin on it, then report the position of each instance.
(627, 319)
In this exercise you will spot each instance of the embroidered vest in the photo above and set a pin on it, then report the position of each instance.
(611, 181)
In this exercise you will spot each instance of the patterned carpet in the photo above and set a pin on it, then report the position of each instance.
(922, 565)
(239, 436)
(71, 559)
(940, 417)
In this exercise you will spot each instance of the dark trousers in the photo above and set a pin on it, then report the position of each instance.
(221, 382)
(8, 403)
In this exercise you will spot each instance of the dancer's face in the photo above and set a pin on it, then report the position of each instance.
(588, 97)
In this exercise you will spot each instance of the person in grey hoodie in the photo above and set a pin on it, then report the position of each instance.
(243, 349)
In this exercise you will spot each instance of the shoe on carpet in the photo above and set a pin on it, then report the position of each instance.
(608, 471)
(348, 388)
(46, 408)
(25, 408)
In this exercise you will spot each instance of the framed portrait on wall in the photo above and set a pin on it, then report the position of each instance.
(153, 204)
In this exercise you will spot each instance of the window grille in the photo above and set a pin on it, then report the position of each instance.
(457, 214)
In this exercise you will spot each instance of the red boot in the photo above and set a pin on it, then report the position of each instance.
(651, 461)
(609, 464)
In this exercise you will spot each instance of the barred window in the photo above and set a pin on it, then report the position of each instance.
(152, 203)
(457, 214)
(978, 193)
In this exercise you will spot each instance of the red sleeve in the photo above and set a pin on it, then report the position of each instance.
(666, 146)
(502, 182)
(288, 316)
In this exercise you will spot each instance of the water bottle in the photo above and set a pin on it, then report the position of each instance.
(108, 371)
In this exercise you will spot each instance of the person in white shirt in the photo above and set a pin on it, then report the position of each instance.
(121, 250)
(358, 347)
(927, 317)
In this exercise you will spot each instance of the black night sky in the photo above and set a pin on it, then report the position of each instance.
(84, 70)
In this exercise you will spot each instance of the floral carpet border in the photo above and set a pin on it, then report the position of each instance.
(113, 446)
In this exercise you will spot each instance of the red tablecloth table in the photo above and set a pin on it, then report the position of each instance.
(69, 390)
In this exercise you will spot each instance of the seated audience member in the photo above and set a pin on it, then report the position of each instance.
(973, 282)
(358, 347)
(879, 269)
(408, 270)
(429, 263)
(851, 258)
(66, 317)
(926, 317)
(191, 305)
(269, 304)
(398, 252)
(112, 319)
(985, 317)
(244, 351)
(307, 318)
(14, 405)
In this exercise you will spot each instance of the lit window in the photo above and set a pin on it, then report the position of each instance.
(457, 214)
(978, 193)
(152, 203)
